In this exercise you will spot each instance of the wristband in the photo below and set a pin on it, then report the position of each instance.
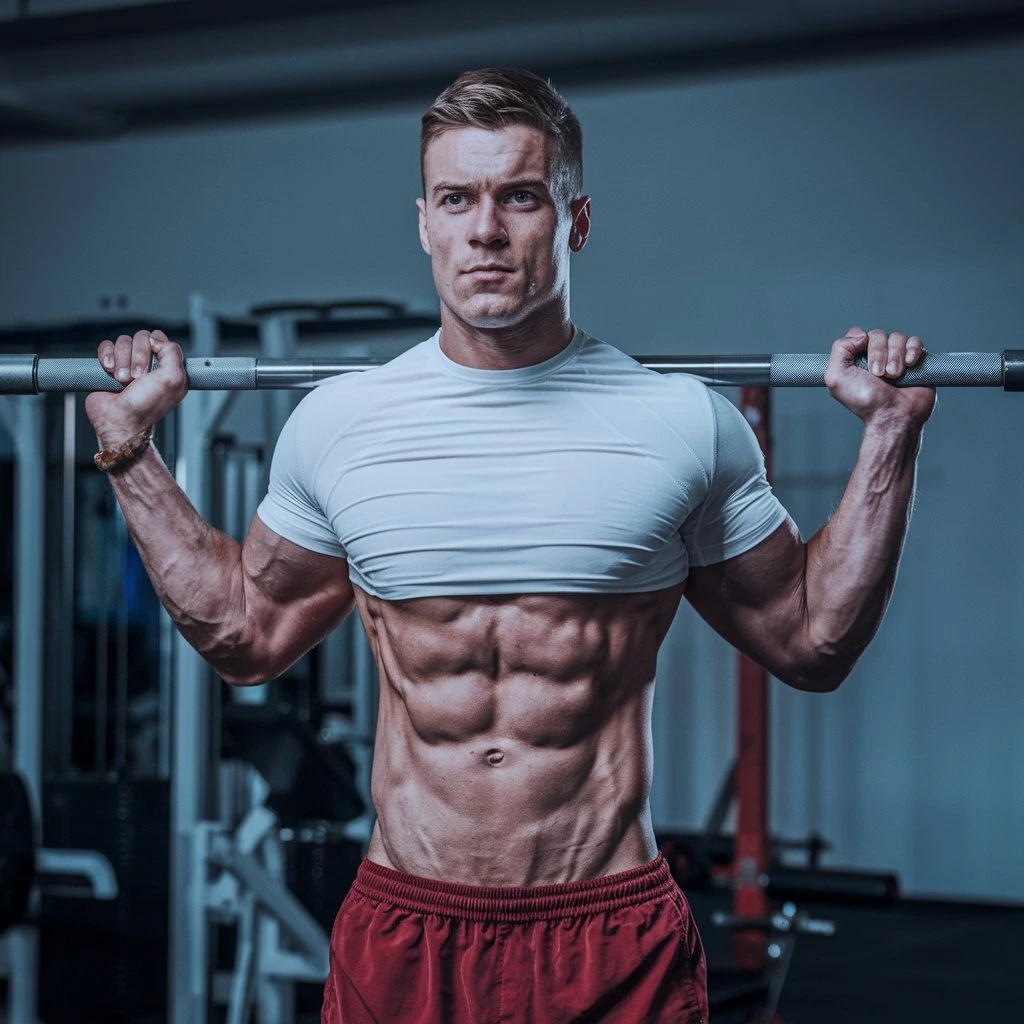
(112, 459)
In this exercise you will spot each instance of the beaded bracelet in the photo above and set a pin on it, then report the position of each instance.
(112, 459)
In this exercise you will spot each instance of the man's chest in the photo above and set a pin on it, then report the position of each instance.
(557, 492)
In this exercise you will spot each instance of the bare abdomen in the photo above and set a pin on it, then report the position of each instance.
(528, 761)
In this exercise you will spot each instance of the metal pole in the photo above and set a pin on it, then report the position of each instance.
(64, 681)
(191, 698)
(277, 342)
(32, 374)
(27, 422)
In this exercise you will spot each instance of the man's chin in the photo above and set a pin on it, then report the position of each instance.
(492, 316)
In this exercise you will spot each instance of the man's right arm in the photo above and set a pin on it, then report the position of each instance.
(250, 609)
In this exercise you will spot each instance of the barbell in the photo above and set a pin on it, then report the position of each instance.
(32, 374)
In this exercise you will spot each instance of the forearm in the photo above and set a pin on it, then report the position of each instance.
(853, 560)
(249, 609)
(195, 569)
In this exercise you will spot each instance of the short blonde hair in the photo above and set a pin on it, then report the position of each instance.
(494, 98)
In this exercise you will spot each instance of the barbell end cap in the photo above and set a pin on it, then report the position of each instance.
(19, 375)
(1013, 369)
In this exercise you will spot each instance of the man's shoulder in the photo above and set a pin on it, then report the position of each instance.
(362, 389)
(607, 359)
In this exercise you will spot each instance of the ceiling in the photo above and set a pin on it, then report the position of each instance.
(94, 68)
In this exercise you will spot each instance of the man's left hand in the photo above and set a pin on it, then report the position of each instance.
(867, 392)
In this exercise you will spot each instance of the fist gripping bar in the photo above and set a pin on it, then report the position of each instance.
(31, 375)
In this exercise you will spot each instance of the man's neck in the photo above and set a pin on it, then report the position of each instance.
(532, 341)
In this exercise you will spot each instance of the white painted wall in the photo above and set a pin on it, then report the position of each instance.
(762, 212)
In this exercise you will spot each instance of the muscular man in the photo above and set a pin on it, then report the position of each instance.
(516, 510)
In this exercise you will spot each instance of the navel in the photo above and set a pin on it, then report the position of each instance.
(495, 757)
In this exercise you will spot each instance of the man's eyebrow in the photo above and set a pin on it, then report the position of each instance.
(446, 186)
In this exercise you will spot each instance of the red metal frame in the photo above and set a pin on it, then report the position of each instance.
(751, 849)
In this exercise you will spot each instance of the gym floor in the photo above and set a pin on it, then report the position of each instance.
(919, 961)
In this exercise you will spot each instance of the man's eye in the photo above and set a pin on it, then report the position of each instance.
(454, 200)
(522, 197)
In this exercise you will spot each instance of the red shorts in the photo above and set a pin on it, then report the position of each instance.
(622, 949)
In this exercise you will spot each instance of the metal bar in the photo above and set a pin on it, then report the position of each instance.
(65, 678)
(90, 866)
(121, 646)
(271, 893)
(34, 374)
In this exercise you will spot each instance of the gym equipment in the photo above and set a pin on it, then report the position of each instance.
(17, 850)
(306, 781)
(299, 786)
(24, 865)
(31, 374)
(700, 861)
(204, 850)
(763, 991)
(122, 940)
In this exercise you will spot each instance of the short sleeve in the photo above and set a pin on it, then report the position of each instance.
(290, 507)
(740, 509)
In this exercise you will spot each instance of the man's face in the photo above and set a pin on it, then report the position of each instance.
(498, 239)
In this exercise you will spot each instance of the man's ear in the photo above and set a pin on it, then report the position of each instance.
(424, 240)
(579, 232)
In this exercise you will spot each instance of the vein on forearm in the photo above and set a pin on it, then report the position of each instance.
(853, 560)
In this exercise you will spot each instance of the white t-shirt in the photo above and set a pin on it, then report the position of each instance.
(583, 473)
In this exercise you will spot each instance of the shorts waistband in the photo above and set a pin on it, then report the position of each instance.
(514, 904)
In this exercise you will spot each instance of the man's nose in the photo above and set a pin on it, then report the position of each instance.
(487, 227)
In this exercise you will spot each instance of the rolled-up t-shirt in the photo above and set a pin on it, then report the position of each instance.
(583, 473)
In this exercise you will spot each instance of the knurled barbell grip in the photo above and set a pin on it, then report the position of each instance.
(937, 369)
(205, 373)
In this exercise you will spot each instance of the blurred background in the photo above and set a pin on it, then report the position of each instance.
(764, 175)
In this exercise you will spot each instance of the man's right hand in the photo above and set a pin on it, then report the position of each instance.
(148, 394)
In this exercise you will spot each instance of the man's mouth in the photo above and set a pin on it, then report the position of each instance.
(488, 270)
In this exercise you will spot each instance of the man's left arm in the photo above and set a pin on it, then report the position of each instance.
(807, 611)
